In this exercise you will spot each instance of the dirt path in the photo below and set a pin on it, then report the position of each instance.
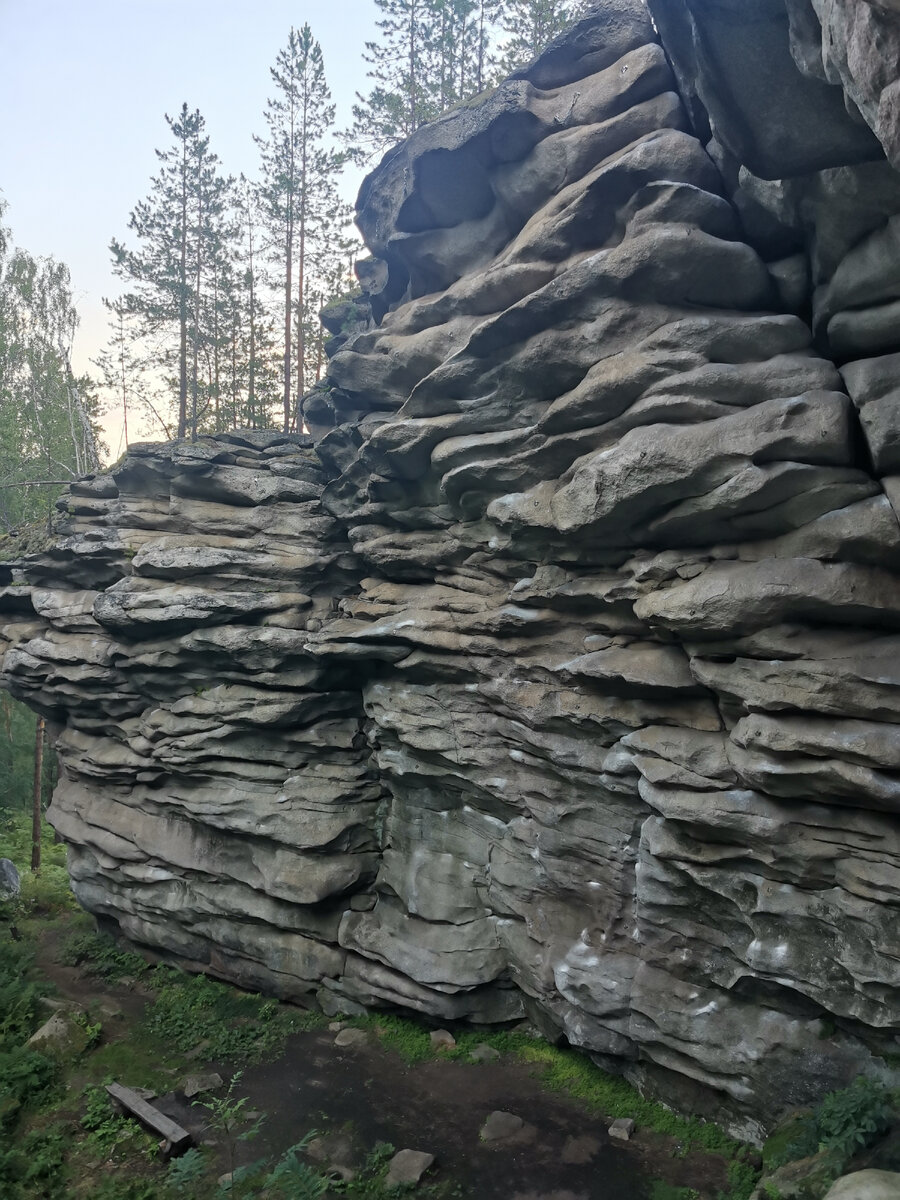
(361, 1095)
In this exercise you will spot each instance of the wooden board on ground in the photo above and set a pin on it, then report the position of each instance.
(179, 1139)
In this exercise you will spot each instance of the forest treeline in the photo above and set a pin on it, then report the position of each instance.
(223, 277)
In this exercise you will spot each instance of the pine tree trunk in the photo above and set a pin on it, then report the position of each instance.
(36, 795)
(289, 267)
(182, 306)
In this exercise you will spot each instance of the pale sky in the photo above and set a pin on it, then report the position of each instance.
(85, 84)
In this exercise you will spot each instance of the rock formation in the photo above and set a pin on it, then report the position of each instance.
(558, 673)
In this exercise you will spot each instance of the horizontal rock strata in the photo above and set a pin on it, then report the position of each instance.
(560, 677)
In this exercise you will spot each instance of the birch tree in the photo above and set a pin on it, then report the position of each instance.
(48, 415)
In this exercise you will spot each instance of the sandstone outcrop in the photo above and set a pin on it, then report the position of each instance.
(557, 673)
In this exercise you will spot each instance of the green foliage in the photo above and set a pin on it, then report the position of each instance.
(573, 1073)
(25, 1078)
(47, 415)
(109, 1131)
(47, 891)
(237, 1026)
(117, 1187)
(185, 1172)
(99, 954)
(742, 1180)
(17, 734)
(18, 997)
(35, 1165)
(660, 1190)
(798, 1140)
(851, 1119)
(369, 1182)
(292, 1179)
(847, 1121)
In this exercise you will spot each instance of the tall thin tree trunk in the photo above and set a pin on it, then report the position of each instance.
(288, 271)
(413, 124)
(36, 812)
(251, 376)
(301, 258)
(182, 303)
(198, 279)
(122, 366)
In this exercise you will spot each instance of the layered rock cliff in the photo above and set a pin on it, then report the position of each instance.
(558, 673)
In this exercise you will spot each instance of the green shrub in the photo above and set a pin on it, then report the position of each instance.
(237, 1026)
(35, 1165)
(25, 1078)
(98, 954)
(852, 1118)
(108, 1129)
(19, 1016)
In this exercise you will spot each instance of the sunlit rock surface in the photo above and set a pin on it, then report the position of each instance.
(558, 674)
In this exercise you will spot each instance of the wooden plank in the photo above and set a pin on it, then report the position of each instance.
(149, 1116)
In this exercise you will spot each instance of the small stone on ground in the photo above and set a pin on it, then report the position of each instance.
(350, 1037)
(500, 1125)
(442, 1039)
(408, 1167)
(193, 1085)
(484, 1053)
(622, 1129)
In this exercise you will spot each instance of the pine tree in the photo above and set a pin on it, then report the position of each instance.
(298, 196)
(403, 96)
(531, 24)
(430, 55)
(126, 375)
(179, 228)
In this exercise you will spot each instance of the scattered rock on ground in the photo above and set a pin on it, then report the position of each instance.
(62, 1033)
(442, 1039)
(408, 1166)
(621, 1129)
(350, 1037)
(193, 1085)
(484, 1053)
(501, 1125)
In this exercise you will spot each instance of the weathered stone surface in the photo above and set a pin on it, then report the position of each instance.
(621, 1129)
(866, 1185)
(407, 1167)
(10, 884)
(500, 1126)
(196, 1085)
(560, 676)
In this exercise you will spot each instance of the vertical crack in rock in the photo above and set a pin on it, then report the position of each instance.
(558, 673)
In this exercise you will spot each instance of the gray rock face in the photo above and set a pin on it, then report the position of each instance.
(559, 677)
(10, 884)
